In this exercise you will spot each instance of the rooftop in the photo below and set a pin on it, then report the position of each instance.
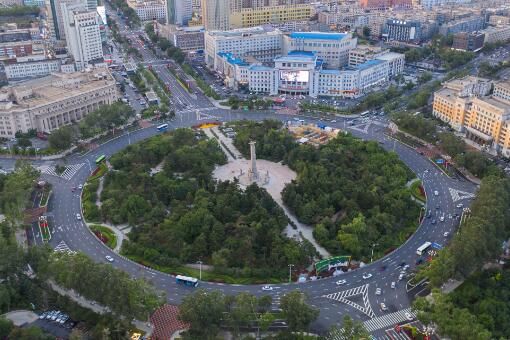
(369, 63)
(317, 36)
(301, 58)
(260, 68)
(245, 31)
(231, 59)
(166, 322)
(390, 56)
(301, 53)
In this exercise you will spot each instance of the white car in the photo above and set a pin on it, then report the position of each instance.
(109, 258)
(408, 316)
(441, 218)
(460, 205)
(78, 216)
(383, 306)
(436, 193)
(378, 291)
(446, 233)
(400, 277)
(393, 285)
(367, 276)
(267, 288)
(80, 186)
(341, 282)
(406, 267)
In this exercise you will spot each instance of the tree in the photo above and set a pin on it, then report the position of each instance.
(297, 312)
(352, 330)
(203, 310)
(366, 32)
(62, 138)
(24, 142)
(425, 77)
(451, 144)
(6, 327)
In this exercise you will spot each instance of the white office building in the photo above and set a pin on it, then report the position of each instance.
(82, 36)
(332, 48)
(149, 10)
(264, 44)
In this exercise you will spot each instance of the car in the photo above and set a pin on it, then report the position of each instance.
(433, 221)
(460, 205)
(419, 261)
(80, 186)
(441, 218)
(333, 121)
(383, 306)
(378, 291)
(341, 282)
(43, 315)
(406, 267)
(367, 276)
(400, 277)
(436, 193)
(78, 216)
(438, 207)
(109, 258)
(408, 316)
(446, 233)
(393, 285)
(267, 288)
(402, 264)
(55, 316)
(73, 189)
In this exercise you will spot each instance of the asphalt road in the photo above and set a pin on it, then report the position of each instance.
(72, 233)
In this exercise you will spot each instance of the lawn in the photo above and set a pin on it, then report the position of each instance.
(105, 234)
(206, 275)
(45, 197)
(417, 192)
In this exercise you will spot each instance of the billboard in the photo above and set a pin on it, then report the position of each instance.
(294, 76)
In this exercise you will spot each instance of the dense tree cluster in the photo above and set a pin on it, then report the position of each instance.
(417, 125)
(19, 11)
(353, 191)
(481, 234)
(182, 215)
(132, 19)
(207, 311)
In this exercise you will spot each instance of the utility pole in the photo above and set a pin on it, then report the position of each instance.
(373, 246)
(290, 272)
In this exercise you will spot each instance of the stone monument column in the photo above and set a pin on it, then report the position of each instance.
(253, 156)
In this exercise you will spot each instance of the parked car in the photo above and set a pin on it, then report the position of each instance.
(383, 306)
(267, 288)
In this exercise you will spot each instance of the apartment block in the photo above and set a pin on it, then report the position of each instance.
(251, 17)
(45, 104)
(496, 34)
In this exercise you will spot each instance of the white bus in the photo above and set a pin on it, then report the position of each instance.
(186, 280)
(364, 113)
(162, 127)
(423, 248)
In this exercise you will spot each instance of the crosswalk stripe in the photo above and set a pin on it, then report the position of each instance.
(387, 320)
(68, 173)
(458, 195)
(343, 295)
(63, 247)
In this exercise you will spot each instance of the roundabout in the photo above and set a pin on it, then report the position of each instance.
(357, 296)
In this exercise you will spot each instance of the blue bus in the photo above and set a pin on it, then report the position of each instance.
(186, 280)
(162, 127)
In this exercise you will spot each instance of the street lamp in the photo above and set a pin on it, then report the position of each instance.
(290, 272)
(373, 246)
(200, 266)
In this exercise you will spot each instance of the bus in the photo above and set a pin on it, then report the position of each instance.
(423, 248)
(162, 127)
(364, 113)
(100, 159)
(186, 280)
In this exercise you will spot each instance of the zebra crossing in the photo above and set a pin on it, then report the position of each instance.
(63, 247)
(387, 320)
(344, 295)
(68, 173)
(361, 127)
(458, 195)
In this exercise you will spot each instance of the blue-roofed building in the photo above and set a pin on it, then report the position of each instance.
(332, 48)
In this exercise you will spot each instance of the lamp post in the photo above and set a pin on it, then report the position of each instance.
(290, 272)
(200, 269)
(373, 246)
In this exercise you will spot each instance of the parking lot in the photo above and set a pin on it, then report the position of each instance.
(54, 322)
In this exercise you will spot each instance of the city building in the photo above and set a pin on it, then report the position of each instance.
(396, 62)
(38, 66)
(250, 17)
(186, 38)
(216, 14)
(260, 42)
(83, 36)
(496, 20)
(472, 41)
(38, 3)
(485, 119)
(469, 24)
(56, 17)
(179, 12)
(363, 53)
(402, 30)
(332, 48)
(385, 4)
(149, 10)
(18, 42)
(45, 104)
(496, 34)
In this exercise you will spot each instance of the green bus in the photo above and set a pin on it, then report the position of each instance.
(100, 159)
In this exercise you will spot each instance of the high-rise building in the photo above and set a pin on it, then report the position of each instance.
(179, 12)
(83, 35)
(55, 16)
(216, 14)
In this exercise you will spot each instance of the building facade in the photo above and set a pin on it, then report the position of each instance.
(251, 17)
(472, 41)
(179, 12)
(216, 14)
(403, 30)
(31, 68)
(48, 103)
(496, 34)
(149, 10)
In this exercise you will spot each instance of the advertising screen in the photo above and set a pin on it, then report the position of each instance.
(294, 76)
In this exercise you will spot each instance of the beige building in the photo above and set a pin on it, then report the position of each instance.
(496, 34)
(48, 103)
(216, 14)
(485, 120)
(250, 17)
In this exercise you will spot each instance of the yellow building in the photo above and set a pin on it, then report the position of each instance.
(465, 105)
(250, 17)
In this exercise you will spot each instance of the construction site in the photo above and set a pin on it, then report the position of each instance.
(313, 134)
